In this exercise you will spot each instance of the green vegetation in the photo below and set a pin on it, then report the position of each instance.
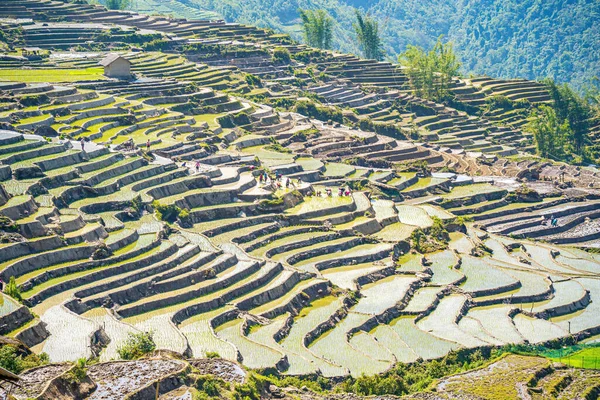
(166, 212)
(427, 240)
(498, 38)
(117, 4)
(51, 75)
(410, 378)
(575, 113)
(367, 33)
(317, 26)
(11, 360)
(565, 351)
(137, 345)
(551, 136)
(278, 148)
(313, 110)
(6, 224)
(209, 386)
(78, 372)
(12, 289)
(431, 72)
(281, 55)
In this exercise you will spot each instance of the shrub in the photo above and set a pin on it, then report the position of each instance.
(252, 80)
(308, 56)
(157, 45)
(304, 135)
(168, 213)
(12, 289)
(431, 239)
(6, 224)
(281, 55)
(499, 102)
(184, 217)
(382, 128)
(252, 389)
(311, 109)
(78, 372)
(9, 359)
(212, 354)
(233, 120)
(209, 384)
(278, 148)
(101, 252)
(12, 361)
(137, 204)
(137, 345)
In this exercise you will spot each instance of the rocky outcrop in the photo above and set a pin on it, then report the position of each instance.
(13, 320)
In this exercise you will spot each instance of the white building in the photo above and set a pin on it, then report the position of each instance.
(116, 66)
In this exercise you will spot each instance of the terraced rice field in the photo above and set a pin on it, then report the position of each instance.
(164, 222)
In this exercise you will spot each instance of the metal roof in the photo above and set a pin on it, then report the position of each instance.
(111, 58)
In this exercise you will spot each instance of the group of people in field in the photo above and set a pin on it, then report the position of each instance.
(551, 221)
(342, 191)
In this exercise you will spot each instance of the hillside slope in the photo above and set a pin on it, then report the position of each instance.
(527, 39)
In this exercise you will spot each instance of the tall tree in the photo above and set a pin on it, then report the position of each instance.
(367, 32)
(550, 133)
(574, 109)
(318, 28)
(431, 72)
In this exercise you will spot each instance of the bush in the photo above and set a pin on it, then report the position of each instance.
(137, 204)
(430, 239)
(137, 345)
(308, 56)
(233, 120)
(6, 224)
(184, 217)
(252, 389)
(310, 109)
(157, 45)
(409, 378)
(168, 213)
(499, 102)
(253, 80)
(382, 128)
(10, 360)
(12, 289)
(278, 148)
(209, 384)
(212, 354)
(304, 135)
(281, 55)
(78, 372)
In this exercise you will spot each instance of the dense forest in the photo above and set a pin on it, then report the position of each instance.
(503, 38)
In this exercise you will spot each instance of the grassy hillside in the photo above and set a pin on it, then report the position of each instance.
(528, 39)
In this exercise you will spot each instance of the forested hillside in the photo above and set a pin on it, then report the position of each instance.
(517, 38)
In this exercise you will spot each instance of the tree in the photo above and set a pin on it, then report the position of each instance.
(431, 72)
(318, 28)
(12, 289)
(117, 4)
(574, 109)
(136, 345)
(367, 32)
(550, 134)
